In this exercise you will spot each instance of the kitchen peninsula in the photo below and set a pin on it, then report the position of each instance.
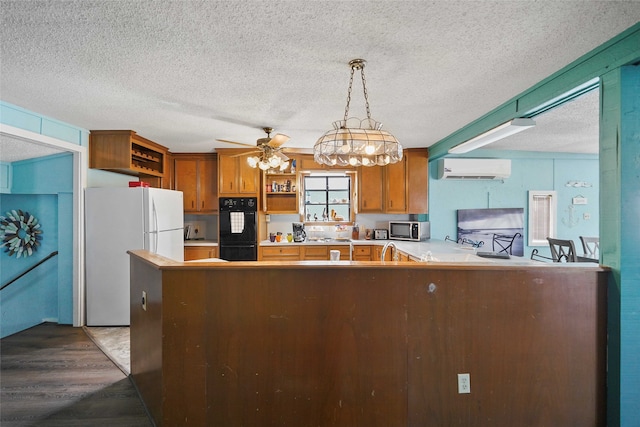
(368, 343)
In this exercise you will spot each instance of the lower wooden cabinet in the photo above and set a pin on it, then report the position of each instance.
(377, 254)
(279, 253)
(362, 253)
(200, 252)
(403, 256)
(302, 252)
(315, 252)
(345, 251)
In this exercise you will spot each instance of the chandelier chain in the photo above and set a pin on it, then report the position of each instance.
(366, 95)
(346, 109)
(360, 67)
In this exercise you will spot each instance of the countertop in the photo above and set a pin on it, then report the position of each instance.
(433, 250)
(197, 242)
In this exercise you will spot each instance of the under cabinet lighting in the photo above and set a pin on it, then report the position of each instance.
(504, 130)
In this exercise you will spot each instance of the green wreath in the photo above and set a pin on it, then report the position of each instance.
(21, 233)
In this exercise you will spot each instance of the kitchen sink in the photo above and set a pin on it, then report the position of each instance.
(329, 239)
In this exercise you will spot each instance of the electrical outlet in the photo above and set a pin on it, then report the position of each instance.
(464, 383)
(586, 216)
(144, 300)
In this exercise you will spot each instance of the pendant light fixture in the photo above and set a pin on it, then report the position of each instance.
(355, 142)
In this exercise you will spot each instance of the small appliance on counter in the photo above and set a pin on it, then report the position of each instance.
(380, 234)
(299, 235)
(414, 231)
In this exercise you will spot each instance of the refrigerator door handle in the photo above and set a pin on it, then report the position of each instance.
(155, 225)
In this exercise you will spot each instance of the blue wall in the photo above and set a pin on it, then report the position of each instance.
(44, 187)
(529, 171)
(34, 297)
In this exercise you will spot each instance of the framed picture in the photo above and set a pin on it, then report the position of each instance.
(499, 230)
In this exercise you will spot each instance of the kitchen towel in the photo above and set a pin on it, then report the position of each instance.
(237, 222)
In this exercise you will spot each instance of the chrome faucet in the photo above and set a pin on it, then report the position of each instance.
(394, 251)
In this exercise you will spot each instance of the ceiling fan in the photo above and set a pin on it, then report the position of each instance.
(270, 148)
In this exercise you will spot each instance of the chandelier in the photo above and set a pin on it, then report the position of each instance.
(355, 142)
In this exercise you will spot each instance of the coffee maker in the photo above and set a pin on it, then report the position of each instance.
(298, 232)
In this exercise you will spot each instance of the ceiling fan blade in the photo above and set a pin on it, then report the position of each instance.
(236, 143)
(277, 140)
(246, 153)
(282, 156)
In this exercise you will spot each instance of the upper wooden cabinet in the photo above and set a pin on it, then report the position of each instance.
(417, 180)
(370, 187)
(235, 176)
(124, 151)
(196, 175)
(397, 188)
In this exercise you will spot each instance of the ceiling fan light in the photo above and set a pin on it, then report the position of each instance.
(253, 161)
(284, 165)
(263, 165)
(274, 161)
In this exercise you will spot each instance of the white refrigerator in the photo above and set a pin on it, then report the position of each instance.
(118, 220)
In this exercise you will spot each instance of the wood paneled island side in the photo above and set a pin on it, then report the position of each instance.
(316, 343)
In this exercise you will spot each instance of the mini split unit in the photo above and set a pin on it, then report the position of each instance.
(474, 168)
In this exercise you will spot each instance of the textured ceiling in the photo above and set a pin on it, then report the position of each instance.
(184, 73)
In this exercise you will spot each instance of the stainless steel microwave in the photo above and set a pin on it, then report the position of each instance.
(409, 230)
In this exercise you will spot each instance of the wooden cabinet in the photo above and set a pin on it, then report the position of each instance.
(345, 251)
(124, 151)
(370, 189)
(315, 252)
(396, 188)
(197, 177)
(235, 176)
(382, 189)
(418, 181)
(402, 256)
(362, 252)
(279, 253)
(285, 200)
(377, 254)
(200, 252)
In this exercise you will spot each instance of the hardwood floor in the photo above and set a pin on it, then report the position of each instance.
(54, 375)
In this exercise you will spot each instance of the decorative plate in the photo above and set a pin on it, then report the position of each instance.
(21, 233)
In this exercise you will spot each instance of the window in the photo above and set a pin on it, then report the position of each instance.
(542, 217)
(327, 198)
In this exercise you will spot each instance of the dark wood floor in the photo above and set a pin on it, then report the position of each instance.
(54, 375)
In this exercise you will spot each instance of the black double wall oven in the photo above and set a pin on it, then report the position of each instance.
(238, 229)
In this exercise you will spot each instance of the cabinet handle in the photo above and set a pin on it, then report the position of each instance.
(203, 204)
(193, 204)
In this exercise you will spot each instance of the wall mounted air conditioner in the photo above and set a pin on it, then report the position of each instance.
(474, 168)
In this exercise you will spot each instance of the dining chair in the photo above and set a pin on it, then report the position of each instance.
(504, 242)
(562, 250)
(590, 246)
